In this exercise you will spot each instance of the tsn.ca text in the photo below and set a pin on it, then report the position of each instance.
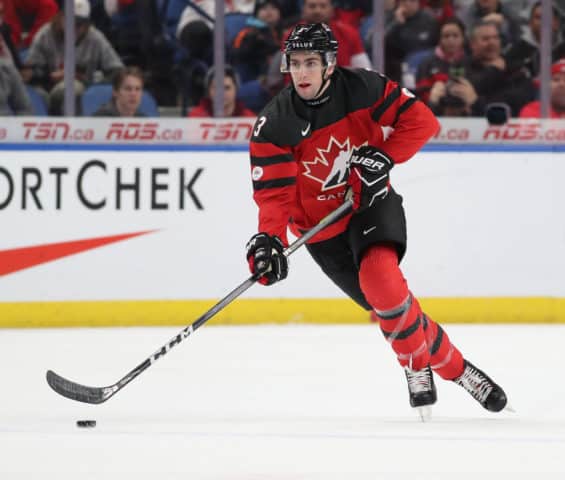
(55, 131)
(222, 132)
(116, 131)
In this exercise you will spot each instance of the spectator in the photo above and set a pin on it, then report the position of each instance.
(124, 30)
(46, 56)
(444, 66)
(127, 89)
(440, 9)
(290, 12)
(351, 52)
(461, 6)
(195, 35)
(490, 76)
(139, 32)
(524, 7)
(501, 14)
(8, 52)
(410, 30)
(38, 12)
(525, 53)
(255, 45)
(352, 11)
(557, 99)
(14, 99)
(194, 29)
(232, 106)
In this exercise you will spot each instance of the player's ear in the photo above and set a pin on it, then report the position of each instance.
(330, 70)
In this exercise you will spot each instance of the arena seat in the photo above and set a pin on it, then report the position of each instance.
(253, 95)
(411, 64)
(233, 24)
(38, 105)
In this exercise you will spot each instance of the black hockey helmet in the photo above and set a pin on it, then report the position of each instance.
(310, 37)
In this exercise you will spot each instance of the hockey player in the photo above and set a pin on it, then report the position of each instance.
(335, 129)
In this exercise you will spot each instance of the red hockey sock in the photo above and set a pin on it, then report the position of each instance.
(445, 359)
(416, 339)
(400, 318)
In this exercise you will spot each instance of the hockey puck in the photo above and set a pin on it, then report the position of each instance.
(86, 423)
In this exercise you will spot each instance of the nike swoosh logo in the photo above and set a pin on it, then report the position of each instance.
(305, 131)
(369, 230)
(17, 259)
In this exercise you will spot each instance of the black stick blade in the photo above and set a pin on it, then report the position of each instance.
(78, 392)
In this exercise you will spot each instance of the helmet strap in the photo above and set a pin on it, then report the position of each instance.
(325, 82)
(318, 99)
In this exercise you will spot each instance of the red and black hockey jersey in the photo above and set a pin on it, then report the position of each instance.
(299, 152)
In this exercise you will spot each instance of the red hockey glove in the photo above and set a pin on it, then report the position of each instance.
(369, 170)
(265, 257)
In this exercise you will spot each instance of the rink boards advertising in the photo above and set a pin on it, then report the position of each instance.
(144, 222)
(53, 132)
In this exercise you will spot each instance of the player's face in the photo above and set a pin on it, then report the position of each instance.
(306, 69)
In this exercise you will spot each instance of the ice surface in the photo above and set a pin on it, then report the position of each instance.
(274, 403)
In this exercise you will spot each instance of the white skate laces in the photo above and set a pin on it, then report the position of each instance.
(482, 388)
(419, 381)
(421, 390)
(475, 383)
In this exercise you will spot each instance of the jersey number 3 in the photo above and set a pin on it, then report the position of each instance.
(260, 124)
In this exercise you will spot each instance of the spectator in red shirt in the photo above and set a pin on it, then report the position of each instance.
(352, 11)
(557, 99)
(232, 106)
(440, 9)
(41, 11)
(351, 52)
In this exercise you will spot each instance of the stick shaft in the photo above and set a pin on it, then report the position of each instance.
(95, 395)
(235, 293)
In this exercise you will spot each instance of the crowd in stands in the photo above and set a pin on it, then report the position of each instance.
(458, 56)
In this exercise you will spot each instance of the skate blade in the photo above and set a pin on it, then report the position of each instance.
(509, 408)
(425, 413)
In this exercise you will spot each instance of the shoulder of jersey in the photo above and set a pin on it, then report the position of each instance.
(277, 122)
(365, 86)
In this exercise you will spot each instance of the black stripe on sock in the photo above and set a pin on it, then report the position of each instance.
(403, 334)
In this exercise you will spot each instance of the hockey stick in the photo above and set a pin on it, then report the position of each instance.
(95, 395)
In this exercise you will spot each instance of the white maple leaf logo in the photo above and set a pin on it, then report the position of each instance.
(335, 157)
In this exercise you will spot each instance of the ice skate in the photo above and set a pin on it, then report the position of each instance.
(482, 388)
(422, 391)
